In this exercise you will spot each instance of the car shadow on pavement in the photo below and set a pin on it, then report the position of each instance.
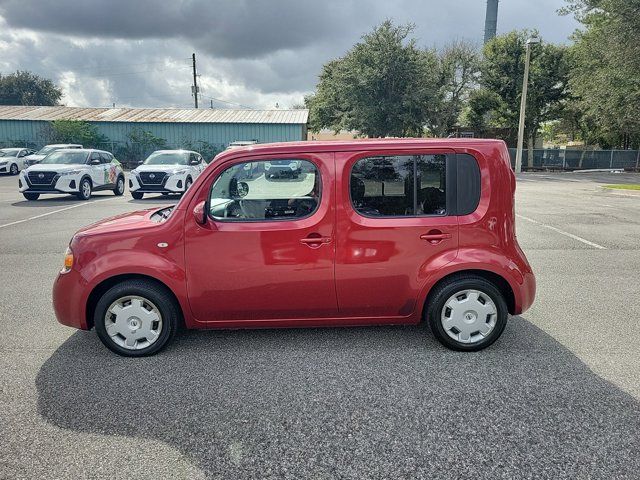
(386, 402)
(60, 201)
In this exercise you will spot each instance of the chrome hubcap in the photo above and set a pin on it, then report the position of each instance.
(86, 189)
(469, 316)
(133, 322)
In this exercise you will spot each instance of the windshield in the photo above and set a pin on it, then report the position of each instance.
(9, 152)
(167, 158)
(65, 158)
(47, 150)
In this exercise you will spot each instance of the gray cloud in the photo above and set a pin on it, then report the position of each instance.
(251, 52)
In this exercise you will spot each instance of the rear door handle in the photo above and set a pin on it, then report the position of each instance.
(435, 237)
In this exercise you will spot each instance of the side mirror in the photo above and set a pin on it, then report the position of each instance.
(199, 213)
(140, 162)
(194, 162)
(95, 162)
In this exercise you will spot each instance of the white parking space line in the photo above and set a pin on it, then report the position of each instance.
(562, 232)
(52, 212)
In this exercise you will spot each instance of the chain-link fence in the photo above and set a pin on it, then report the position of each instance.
(565, 159)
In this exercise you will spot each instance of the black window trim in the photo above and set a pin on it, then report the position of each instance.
(450, 185)
(263, 220)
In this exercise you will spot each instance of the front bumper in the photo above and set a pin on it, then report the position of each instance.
(70, 300)
(170, 184)
(64, 184)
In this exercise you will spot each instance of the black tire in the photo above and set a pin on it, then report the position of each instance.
(159, 295)
(439, 296)
(137, 195)
(84, 189)
(13, 170)
(119, 190)
(31, 196)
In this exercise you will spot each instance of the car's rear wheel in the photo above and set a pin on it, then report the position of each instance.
(137, 195)
(119, 190)
(467, 313)
(14, 169)
(84, 193)
(136, 318)
(31, 196)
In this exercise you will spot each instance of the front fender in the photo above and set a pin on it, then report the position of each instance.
(155, 266)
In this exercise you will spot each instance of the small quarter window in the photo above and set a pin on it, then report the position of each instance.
(399, 186)
(266, 190)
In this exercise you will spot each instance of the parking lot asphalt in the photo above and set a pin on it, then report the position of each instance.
(558, 396)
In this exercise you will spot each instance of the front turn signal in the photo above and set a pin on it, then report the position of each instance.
(68, 261)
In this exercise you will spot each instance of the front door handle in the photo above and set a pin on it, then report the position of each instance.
(315, 242)
(435, 236)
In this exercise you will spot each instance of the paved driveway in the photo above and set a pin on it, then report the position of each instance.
(556, 397)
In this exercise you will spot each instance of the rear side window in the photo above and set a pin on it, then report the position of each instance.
(266, 191)
(400, 186)
(468, 184)
(106, 157)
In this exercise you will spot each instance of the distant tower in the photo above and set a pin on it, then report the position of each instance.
(491, 21)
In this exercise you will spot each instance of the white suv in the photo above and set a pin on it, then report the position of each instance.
(166, 171)
(75, 171)
(46, 150)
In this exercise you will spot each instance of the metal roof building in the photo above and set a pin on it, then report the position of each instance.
(26, 124)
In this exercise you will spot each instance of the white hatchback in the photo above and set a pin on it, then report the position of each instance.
(166, 171)
(74, 171)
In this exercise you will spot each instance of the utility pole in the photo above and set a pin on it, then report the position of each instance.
(523, 104)
(194, 88)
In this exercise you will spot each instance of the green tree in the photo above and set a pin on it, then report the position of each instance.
(74, 131)
(26, 88)
(381, 87)
(458, 70)
(498, 101)
(604, 78)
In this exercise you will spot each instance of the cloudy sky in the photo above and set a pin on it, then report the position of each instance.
(253, 53)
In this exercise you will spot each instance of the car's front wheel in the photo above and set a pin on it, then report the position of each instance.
(119, 190)
(31, 196)
(137, 195)
(187, 184)
(84, 193)
(467, 313)
(136, 318)
(14, 169)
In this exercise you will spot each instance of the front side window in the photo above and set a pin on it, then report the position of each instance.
(399, 186)
(255, 191)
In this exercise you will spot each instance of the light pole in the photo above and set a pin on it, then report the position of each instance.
(523, 102)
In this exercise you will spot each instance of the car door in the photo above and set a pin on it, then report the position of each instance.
(97, 170)
(267, 249)
(394, 229)
(20, 160)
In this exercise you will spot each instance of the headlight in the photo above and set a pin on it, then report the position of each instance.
(2, 164)
(134, 172)
(72, 172)
(179, 171)
(68, 261)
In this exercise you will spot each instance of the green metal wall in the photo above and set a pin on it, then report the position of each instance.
(21, 131)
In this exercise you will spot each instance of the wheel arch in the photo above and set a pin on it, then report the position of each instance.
(106, 284)
(498, 280)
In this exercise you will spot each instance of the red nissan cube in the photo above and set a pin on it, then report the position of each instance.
(365, 232)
